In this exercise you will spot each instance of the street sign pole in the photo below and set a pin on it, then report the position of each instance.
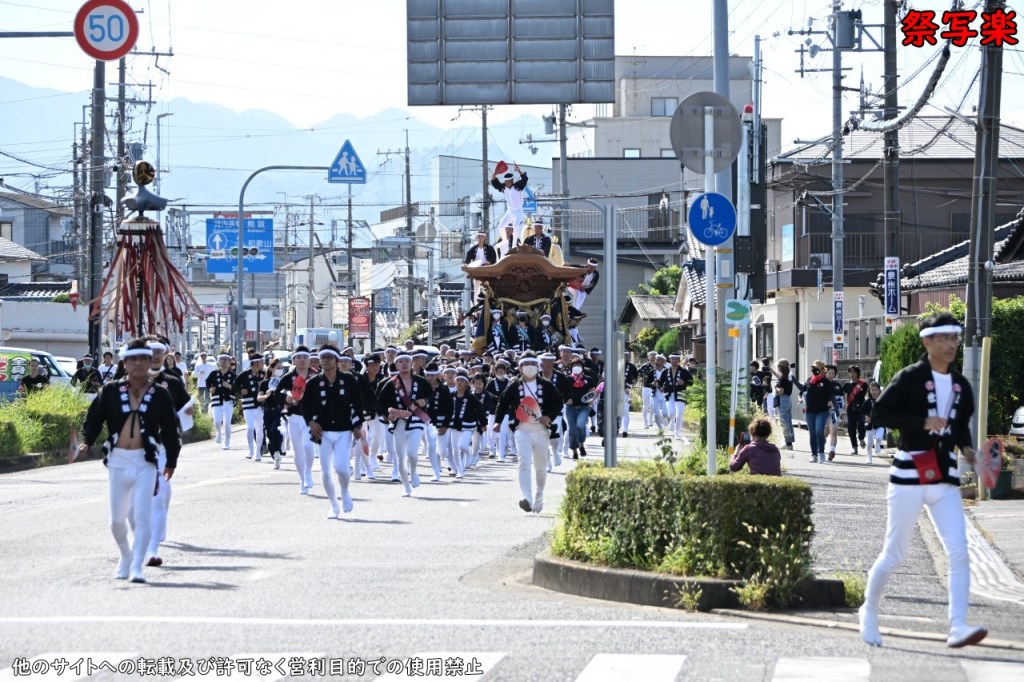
(709, 298)
(892, 293)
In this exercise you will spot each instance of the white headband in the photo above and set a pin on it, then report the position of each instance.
(300, 354)
(223, 356)
(328, 353)
(529, 361)
(404, 356)
(134, 352)
(944, 329)
(156, 345)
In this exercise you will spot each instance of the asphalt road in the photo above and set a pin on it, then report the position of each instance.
(255, 572)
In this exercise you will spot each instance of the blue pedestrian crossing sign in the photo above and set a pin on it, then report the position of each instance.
(529, 201)
(712, 219)
(347, 167)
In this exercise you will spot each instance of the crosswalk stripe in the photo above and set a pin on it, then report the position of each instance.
(71, 666)
(260, 667)
(474, 665)
(991, 671)
(625, 667)
(822, 668)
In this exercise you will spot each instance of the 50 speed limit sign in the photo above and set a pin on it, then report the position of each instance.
(106, 29)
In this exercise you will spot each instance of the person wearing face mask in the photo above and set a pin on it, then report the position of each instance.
(273, 405)
(87, 377)
(221, 384)
(820, 391)
(576, 411)
(658, 400)
(533, 403)
(505, 444)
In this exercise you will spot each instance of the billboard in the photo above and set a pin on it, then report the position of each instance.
(511, 51)
(358, 318)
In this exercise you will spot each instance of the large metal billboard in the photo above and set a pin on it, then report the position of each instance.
(511, 51)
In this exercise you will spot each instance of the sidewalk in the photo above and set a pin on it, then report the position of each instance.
(849, 517)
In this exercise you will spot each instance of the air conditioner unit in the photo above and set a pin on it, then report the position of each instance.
(820, 260)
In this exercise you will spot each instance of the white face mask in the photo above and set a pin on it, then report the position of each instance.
(528, 371)
(577, 370)
(278, 372)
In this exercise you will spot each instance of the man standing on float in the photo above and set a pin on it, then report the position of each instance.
(515, 192)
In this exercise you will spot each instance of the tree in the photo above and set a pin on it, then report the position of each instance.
(665, 282)
(668, 343)
(645, 340)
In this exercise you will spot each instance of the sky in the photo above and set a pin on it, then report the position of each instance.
(310, 59)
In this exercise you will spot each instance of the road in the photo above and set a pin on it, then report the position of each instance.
(256, 571)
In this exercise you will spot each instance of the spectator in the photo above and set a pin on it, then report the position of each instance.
(760, 456)
(36, 379)
(201, 371)
(820, 393)
(784, 393)
(181, 365)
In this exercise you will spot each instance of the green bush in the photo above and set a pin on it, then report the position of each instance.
(645, 341)
(10, 440)
(61, 408)
(668, 342)
(643, 516)
(696, 407)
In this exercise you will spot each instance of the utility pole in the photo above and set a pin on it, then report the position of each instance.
(891, 167)
(486, 167)
(97, 203)
(119, 161)
(351, 276)
(723, 185)
(408, 187)
(309, 270)
(978, 322)
(838, 43)
(563, 168)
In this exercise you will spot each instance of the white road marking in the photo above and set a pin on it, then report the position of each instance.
(822, 668)
(993, 671)
(75, 665)
(370, 622)
(627, 667)
(474, 665)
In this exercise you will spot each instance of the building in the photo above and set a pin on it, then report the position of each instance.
(644, 312)
(43, 227)
(795, 320)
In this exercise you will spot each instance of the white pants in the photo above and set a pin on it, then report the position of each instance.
(375, 435)
(578, 297)
(677, 408)
(254, 431)
(130, 483)
(222, 419)
(625, 411)
(514, 217)
(506, 443)
(532, 445)
(303, 448)
(407, 449)
(161, 503)
(362, 457)
(875, 439)
(335, 453)
(460, 451)
(660, 409)
(434, 442)
(945, 508)
(648, 413)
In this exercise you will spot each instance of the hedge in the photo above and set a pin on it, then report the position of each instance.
(640, 515)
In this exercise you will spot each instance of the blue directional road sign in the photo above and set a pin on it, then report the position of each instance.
(712, 219)
(892, 288)
(530, 201)
(347, 167)
(222, 246)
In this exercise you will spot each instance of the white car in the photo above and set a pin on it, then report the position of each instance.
(69, 365)
(1017, 424)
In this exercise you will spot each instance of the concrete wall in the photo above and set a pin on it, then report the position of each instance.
(596, 308)
(47, 326)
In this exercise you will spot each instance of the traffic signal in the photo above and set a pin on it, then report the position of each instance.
(549, 124)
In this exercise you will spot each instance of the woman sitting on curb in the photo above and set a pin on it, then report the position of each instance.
(760, 456)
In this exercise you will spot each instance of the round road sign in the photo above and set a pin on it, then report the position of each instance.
(687, 131)
(106, 29)
(712, 218)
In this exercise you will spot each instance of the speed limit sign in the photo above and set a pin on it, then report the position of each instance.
(106, 29)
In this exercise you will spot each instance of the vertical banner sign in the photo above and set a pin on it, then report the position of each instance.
(359, 318)
(838, 322)
(892, 292)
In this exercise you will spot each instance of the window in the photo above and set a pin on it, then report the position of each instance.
(631, 153)
(7, 231)
(664, 106)
(765, 340)
(668, 153)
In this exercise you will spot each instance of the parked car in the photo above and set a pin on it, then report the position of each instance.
(14, 365)
(1017, 424)
(69, 365)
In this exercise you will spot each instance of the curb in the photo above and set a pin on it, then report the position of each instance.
(989, 643)
(647, 588)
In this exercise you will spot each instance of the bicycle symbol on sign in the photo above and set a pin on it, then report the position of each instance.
(714, 230)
